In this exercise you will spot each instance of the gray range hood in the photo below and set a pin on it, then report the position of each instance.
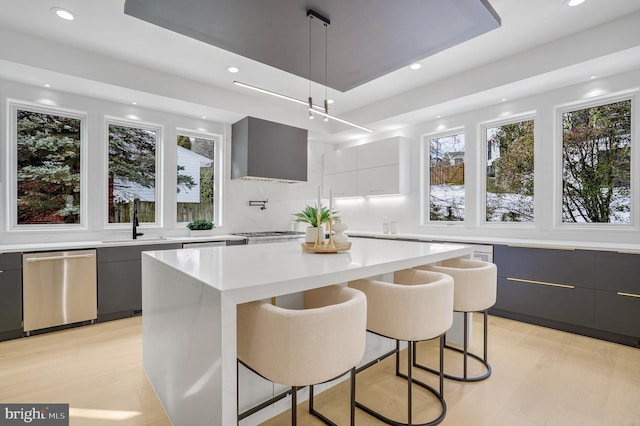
(268, 151)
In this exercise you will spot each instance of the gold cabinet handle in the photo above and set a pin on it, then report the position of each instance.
(541, 283)
(620, 293)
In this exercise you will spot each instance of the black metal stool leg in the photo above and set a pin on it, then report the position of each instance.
(465, 343)
(465, 354)
(410, 381)
(294, 405)
(353, 396)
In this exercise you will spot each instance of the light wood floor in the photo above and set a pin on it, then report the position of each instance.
(541, 377)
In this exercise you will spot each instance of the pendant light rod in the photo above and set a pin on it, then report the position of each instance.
(311, 107)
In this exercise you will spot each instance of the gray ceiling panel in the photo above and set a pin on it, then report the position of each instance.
(366, 39)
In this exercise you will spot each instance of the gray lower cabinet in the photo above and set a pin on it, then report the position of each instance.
(120, 280)
(10, 296)
(617, 313)
(563, 304)
(617, 303)
(595, 293)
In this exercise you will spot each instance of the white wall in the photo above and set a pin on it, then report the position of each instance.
(360, 213)
(367, 213)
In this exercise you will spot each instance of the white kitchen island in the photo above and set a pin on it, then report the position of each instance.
(189, 300)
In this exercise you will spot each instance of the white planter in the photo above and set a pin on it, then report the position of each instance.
(311, 234)
(201, 233)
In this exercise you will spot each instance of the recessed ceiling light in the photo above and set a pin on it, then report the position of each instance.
(204, 117)
(504, 99)
(593, 77)
(575, 2)
(438, 116)
(47, 85)
(415, 66)
(63, 13)
(233, 69)
(134, 103)
(329, 101)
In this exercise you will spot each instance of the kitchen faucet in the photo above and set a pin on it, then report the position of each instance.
(134, 221)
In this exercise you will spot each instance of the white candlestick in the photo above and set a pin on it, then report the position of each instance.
(319, 196)
(330, 201)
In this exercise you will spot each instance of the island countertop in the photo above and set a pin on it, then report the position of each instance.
(189, 300)
(257, 271)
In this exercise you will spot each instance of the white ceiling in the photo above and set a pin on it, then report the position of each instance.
(541, 45)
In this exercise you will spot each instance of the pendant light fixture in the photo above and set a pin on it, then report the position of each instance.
(311, 107)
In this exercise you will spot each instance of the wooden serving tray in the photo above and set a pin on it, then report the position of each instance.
(324, 248)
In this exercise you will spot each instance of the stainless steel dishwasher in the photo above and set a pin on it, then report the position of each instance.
(58, 288)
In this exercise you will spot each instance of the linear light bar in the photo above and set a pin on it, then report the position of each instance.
(317, 109)
(333, 117)
(269, 92)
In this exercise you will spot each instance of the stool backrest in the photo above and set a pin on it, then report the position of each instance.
(418, 305)
(475, 282)
(305, 346)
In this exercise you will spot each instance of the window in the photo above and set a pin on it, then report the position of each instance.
(596, 164)
(446, 177)
(132, 172)
(48, 166)
(196, 174)
(509, 179)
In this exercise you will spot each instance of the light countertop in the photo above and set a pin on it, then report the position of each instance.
(259, 266)
(517, 242)
(72, 245)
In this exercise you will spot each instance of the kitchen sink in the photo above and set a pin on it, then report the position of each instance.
(131, 240)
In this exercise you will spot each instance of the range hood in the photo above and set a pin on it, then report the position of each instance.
(267, 151)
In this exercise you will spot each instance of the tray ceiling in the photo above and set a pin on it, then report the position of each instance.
(366, 39)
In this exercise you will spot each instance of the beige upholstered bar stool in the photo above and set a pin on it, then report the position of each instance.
(417, 306)
(475, 286)
(306, 346)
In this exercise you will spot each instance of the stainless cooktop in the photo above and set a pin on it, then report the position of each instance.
(268, 234)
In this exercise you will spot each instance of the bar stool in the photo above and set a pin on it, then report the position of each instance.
(417, 306)
(475, 286)
(306, 346)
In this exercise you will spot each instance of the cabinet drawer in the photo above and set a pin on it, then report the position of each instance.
(10, 261)
(618, 271)
(568, 305)
(120, 253)
(573, 267)
(617, 313)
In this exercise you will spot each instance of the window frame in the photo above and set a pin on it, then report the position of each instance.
(425, 181)
(13, 105)
(483, 127)
(630, 95)
(218, 176)
(159, 189)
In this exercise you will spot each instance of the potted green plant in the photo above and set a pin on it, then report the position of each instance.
(200, 228)
(310, 215)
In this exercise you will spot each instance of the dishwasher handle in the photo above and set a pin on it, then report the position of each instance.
(72, 256)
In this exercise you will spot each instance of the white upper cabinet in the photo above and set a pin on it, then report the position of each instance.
(338, 161)
(377, 154)
(376, 168)
(341, 184)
